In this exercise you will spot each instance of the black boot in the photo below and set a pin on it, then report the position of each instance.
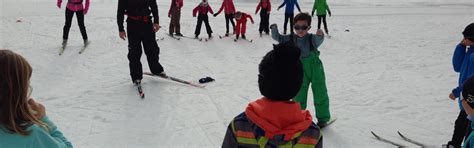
(243, 36)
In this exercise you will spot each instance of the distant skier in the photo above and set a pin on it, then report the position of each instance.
(467, 99)
(289, 13)
(75, 6)
(321, 6)
(202, 9)
(275, 120)
(463, 63)
(175, 14)
(242, 24)
(141, 30)
(265, 7)
(229, 10)
(312, 65)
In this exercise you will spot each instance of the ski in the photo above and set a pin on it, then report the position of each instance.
(199, 39)
(207, 39)
(235, 40)
(410, 140)
(160, 38)
(84, 47)
(174, 37)
(174, 79)
(331, 121)
(225, 36)
(386, 141)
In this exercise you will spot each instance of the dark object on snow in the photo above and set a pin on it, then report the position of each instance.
(469, 32)
(206, 80)
(347, 30)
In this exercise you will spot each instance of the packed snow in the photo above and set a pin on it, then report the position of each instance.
(390, 71)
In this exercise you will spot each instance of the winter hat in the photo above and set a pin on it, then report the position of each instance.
(468, 91)
(469, 32)
(281, 72)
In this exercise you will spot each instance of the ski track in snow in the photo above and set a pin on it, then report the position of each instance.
(391, 72)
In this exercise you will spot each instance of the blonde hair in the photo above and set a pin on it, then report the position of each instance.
(15, 113)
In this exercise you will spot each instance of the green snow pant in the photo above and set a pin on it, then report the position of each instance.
(314, 73)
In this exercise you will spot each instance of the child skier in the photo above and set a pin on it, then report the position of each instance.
(229, 10)
(275, 120)
(321, 6)
(463, 62)
(175, 14)
(23, 121)
(75, 6)
(467, 99)
(202, 9)
(266, 7)
(289, 13)
(312, 65)
(242, 24)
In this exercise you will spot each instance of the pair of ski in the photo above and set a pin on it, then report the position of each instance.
(235, 39)
(142, 94)
(199, 39)
(83, 48)
(397, 144)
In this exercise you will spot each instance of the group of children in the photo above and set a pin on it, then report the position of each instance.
(264, 6)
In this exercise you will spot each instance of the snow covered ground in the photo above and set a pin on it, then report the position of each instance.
(391, 72)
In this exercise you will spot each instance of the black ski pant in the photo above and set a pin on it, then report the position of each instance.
(80, 22)
(264, 21)
(462, 129)
(203, 18)
(288, 16)
(229, 18)
(142, 33)
(323, 19)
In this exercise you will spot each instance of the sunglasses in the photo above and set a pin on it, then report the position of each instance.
(301, 27)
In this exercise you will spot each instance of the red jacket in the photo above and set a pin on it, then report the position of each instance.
(175, 4)
(202, 9)
(229, 7)
(279, 117)
(243, 18)
(264, 5)
(76, 5)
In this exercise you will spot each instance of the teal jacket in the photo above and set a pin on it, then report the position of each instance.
(469, 143)
(39, 137)
(302, 42)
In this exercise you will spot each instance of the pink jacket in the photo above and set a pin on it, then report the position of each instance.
(71, 5)
(227, 6)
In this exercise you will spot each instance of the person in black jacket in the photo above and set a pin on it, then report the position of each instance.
(140, 29)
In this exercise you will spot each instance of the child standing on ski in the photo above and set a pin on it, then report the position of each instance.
(467, 99)
(275, 120)
(75, 6)
(321, 6)
(463, 63)
(312, 65)
(266, 7)
(242, 24)
(229, 10)
(23, 121)
(175, 14)
(202, 9)
(289, 13)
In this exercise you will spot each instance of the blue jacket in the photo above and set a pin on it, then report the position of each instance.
(302, 42)
(38, 138)
(290, 6)
(463, 63)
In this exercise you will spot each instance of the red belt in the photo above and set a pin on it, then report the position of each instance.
(145, 19)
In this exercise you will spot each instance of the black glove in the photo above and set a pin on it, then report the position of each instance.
(312, 13)
(215, 14)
